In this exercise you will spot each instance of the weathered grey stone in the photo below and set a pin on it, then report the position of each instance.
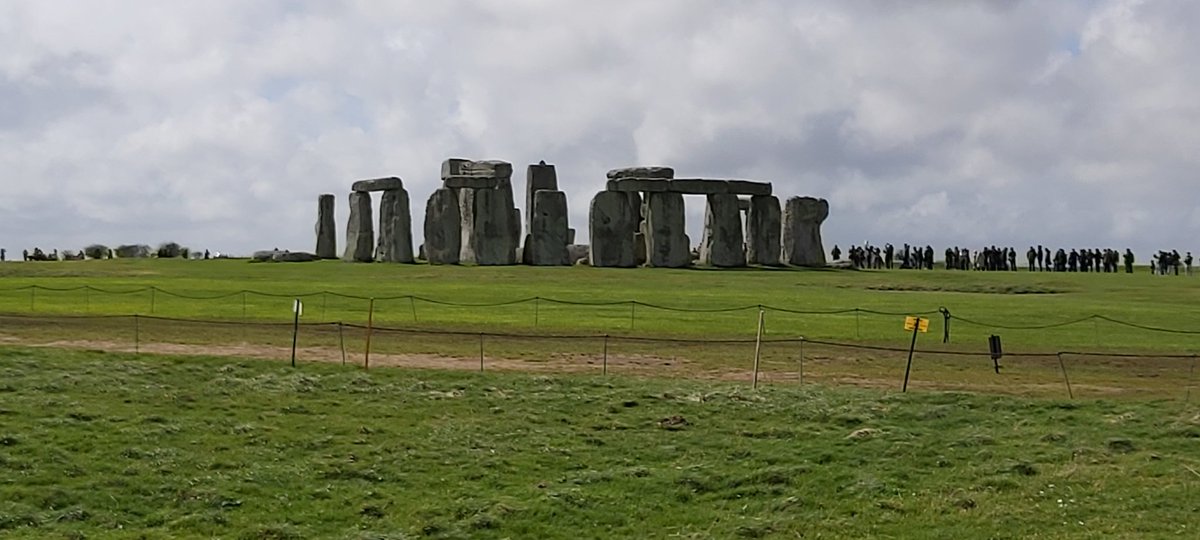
(360, 232)
(577, 253)
(763, 227)
(746, 187)
(744, 205)
(642, 172)
(638, 185)
(377, 184)
(546, 244)
(133, 251)
(472, 182)
(294, 256)
(487, 229)
(802, 218)
(665, 232)
(443, 227)
(639, 246)
(570, 236)
(395, 228)
(698, 186)
(612, 224)
(326, 230)
(538, 177)
(480, 169)
(722, 244)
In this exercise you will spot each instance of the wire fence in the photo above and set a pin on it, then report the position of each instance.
(768, 360)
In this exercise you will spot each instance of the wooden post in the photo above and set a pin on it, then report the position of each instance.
(137, 338)
(911, 348)
(481, 352)
(605, 361)
(632, 306)
(342, 342)
(1062, 365)
(535, 311)
(412, 304)
(296, 307)
(802, 361)
(370, 326)
(758, 347)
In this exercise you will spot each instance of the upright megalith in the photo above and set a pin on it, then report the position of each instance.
(443, 227)
(326, 230)
(802, 218)
(547, 243)
(541, 176)
(664, 231)
(395, 228)
(763, 227)
(490, 224)
(722, 244)
(360, 233)
(487, 229)
(612, 223)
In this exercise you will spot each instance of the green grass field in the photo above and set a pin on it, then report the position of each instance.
(1009, 299)
(96, 445)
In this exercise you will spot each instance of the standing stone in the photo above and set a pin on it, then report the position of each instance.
(487, 228)
(664, 230)
(722, 244)
(538, 177)
(395, 228)
(802, 218)
(612, 223)
(360, 233)
(326, 231)
(763, 227)
(547, 244)
(443, 227)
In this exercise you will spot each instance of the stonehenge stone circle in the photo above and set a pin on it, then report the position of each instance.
(443, 227)
(613, 225)
(763, 228)
(638, 219)
(395, 228)
(722, 244)
(360, 234)
(547, 244)
(664, 230)
(326, 230)
(802, 218)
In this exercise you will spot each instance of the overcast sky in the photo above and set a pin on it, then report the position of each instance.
(217, 123)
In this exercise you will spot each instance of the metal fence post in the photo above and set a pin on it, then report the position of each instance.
(1066, 380)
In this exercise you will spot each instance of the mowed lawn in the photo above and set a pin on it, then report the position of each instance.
(96, 445)
(1031, 311)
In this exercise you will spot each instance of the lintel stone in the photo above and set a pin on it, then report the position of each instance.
(639, 185)
(478, 169)
(472, 182)
(377, 184)
(642, 172)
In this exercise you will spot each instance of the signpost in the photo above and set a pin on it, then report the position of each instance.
(914, 324)
(298, 310)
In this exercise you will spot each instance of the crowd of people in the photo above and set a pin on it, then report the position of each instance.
(992, 258)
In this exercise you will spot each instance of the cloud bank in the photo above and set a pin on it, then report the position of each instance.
(216, 124)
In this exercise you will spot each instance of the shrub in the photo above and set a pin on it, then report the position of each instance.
(135, 251)
(169, 250)
(96, 251)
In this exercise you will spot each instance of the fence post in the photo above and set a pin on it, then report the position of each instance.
(481, 352)
(1191, 380)
(857, 324)
(87, 299)
(758, 347)
(412, 304)
(535, 310)
(370, 326)
(801, 360)
(632, 308)
(1063, 366)
(152, 289)
(324, 300)
(243, 315)
(604, 365)
(342, 342)
(137, 338)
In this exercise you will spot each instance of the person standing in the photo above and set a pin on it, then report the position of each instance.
(1128, 261)
(1187, 263)
(837, 253)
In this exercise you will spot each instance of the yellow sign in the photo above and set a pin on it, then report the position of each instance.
(916, 322)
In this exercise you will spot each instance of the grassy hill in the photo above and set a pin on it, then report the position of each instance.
(96, 445)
